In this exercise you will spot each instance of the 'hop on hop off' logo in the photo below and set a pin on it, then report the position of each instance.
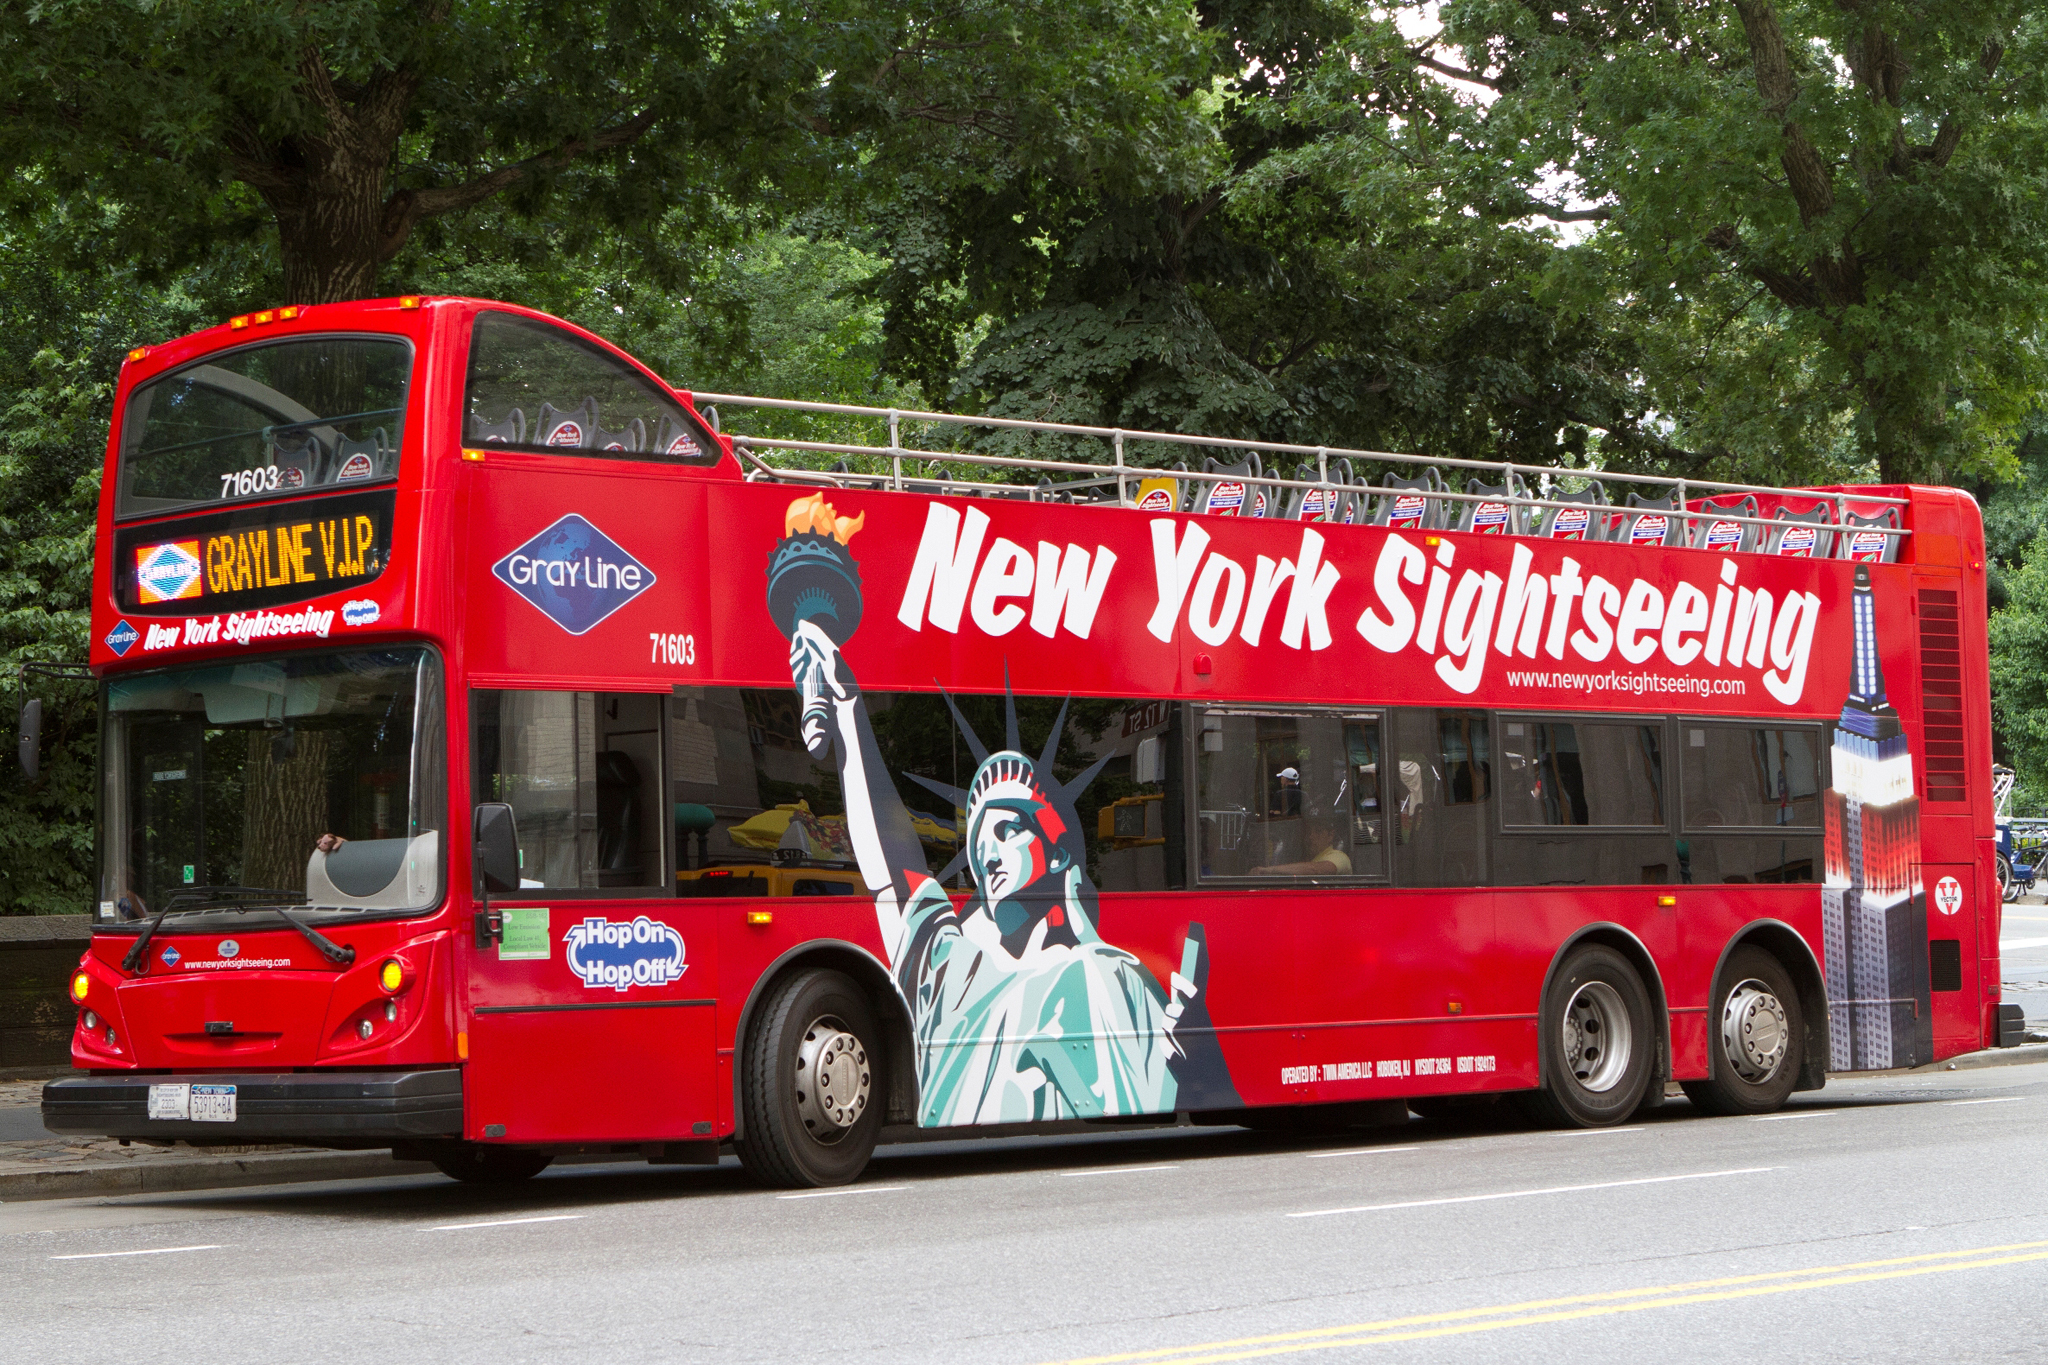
(625, 953)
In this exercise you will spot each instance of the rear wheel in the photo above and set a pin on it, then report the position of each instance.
(1599, 1047)
(2008, 888)
(1757, 1037)
(477, 1164)
(812, 1091)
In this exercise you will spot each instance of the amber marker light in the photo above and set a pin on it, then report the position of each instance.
(81, 986)
(408, 300)
(139, 353)
(238, 324)
(392, 976)
(287, 314)
(1667, 901)
(760, 917)
(475, 456)
(263, 318)
(462, 1047)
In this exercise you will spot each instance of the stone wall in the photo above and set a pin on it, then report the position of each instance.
(37, 955)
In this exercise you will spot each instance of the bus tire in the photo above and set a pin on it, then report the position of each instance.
(1755, 1035)
(1598, 1040)
(815, 1023)
(2008, 889)
(478, 1164)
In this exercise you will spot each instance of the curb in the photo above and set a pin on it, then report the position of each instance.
(204, 1173)
(2022, 1055)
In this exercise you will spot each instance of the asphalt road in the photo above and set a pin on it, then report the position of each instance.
(1885, 1218)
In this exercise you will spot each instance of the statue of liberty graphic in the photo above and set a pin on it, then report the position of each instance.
(1020, 1012)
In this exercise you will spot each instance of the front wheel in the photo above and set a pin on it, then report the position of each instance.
(812, 1091)
(2008, 888)
(1599, 1045)
(1755, 1047)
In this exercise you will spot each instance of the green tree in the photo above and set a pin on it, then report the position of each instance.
(2019, 681)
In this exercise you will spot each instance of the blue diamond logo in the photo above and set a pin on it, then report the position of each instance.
(122, 638)
(170, 956)
(574, 573)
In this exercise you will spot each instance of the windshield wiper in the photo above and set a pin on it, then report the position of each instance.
(334, 952)
(196, 898)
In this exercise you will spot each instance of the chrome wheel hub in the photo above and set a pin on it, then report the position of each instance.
(832, 1079)
(1598, 1039)
(1755, 1036)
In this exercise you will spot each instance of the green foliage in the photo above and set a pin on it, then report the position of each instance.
(2019, 679)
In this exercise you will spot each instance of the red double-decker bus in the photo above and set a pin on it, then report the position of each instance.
(499, 762)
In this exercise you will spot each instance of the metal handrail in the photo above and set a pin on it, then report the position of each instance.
(896, 453)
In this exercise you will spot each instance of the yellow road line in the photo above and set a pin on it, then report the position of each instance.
(1531, 1312)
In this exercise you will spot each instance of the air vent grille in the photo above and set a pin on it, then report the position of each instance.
(1941, 695)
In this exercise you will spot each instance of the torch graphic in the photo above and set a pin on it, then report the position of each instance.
(811, 577)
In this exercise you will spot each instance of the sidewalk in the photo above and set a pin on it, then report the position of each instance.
(65, 1167)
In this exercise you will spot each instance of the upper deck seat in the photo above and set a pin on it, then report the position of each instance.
(1495, 518)
(1738, 537)
(1238, 494)
(1318, 504)
(374, 457)
(1408, 504)
(303, 457)
(510, 432)
(1584, 519)
(675, 439)
(1652, 521)
(570, 428)
(1859, 541)
(1805, 535)
(632, 437)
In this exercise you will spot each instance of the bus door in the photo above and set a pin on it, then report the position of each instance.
(591, 1011)
(1952, 966)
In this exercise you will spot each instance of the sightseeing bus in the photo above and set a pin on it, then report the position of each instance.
(498, 761)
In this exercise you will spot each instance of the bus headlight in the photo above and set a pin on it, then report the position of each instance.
(81, 986)
(392, 976)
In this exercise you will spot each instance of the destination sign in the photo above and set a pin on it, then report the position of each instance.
(255, 557)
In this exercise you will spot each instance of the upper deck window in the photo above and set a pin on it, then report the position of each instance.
(537, 387)
(268, 420)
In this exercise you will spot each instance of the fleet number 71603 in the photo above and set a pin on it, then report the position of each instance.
(672, 649)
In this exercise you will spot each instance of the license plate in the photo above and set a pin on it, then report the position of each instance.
(213, 1104)
(170, 1101)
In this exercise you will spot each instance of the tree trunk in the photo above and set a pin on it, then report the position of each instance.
(286, 810)
(329, 235)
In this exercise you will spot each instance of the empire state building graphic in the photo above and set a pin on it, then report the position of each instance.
(1873, 909)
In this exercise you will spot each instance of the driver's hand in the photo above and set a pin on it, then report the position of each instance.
(327, 843)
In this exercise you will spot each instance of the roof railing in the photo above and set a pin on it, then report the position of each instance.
(1121, 472)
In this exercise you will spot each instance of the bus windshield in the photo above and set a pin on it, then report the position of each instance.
(314, 779)
(265, 421)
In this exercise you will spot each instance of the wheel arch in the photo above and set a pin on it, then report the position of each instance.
(865, 970)
(1795, 955)
(1611, 935)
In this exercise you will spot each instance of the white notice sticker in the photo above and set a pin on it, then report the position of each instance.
(213, 1104)
(170, 1101)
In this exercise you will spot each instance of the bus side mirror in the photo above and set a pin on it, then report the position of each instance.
(32, 737)
(497, 848)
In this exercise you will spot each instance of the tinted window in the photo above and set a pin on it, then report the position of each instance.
(1289, 794)
(1751, 778)
(536, 387)
(746, 791)
(1569, 773)
(1442, 795)
(582, 773)
(266, 421)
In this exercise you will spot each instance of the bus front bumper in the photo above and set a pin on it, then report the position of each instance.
(330, 1108)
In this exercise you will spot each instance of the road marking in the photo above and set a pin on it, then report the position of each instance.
(1537, 1311)
(1592, 1132)
(1360, 1151)
(1525, 1194)
(506, 1222)
(1121, 1170)
(1802, 1114)
(152, 1251)
(857, 1189)
(2002, 1099)
(2006, 943)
